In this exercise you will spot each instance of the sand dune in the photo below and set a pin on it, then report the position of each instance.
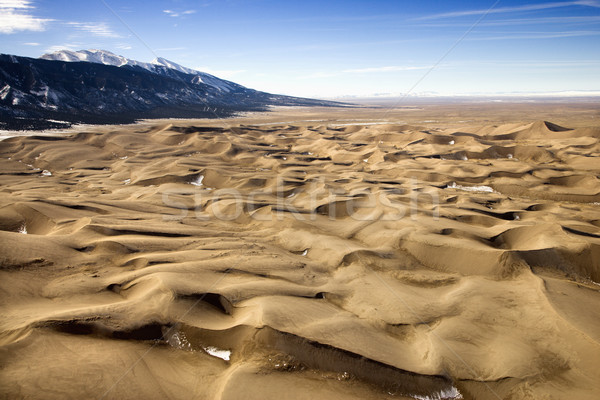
(302, 260)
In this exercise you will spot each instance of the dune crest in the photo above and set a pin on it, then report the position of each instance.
(340, 261)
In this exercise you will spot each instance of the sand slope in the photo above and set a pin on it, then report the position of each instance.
(331, 261)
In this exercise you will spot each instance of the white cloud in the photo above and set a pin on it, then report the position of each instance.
(15, 4)
(124, 46)
(528, 7)
(95, 28)
(15, 16)
(31, 44)
(175, 14)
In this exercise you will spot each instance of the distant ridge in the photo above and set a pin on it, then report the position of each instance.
(99, 87)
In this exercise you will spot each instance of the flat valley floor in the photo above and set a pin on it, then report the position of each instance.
(438, 251)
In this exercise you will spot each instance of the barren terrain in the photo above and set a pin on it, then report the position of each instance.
(434, 251)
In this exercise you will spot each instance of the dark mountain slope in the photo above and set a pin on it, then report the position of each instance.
(38, 94)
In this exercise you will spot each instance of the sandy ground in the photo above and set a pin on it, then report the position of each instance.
(435, 251)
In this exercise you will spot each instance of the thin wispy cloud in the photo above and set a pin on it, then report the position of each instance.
(65, 46)
(16, 15)
(100, 29)
(535, 64)
(563, 20)
(176, 14)
(370, 70)
(392, 68)
(31, 44)
(512, 9)
(554, 64)
(537, 35)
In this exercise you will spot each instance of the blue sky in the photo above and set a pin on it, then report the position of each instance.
(332, 48)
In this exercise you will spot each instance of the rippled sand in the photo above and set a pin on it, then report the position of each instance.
(309, 259)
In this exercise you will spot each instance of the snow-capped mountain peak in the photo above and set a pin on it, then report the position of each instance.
(92, 55)
(95, 56)
(170, 64)
(159, 65)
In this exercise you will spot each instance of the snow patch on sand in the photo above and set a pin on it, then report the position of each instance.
(482, 188)
(198, 181)
(452, 393)
(179, 341)
(216, 352)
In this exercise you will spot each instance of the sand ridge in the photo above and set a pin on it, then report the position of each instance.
(330, 260)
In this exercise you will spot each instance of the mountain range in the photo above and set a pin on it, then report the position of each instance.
(99, 87)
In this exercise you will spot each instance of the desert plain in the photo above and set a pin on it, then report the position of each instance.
(432, 251)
